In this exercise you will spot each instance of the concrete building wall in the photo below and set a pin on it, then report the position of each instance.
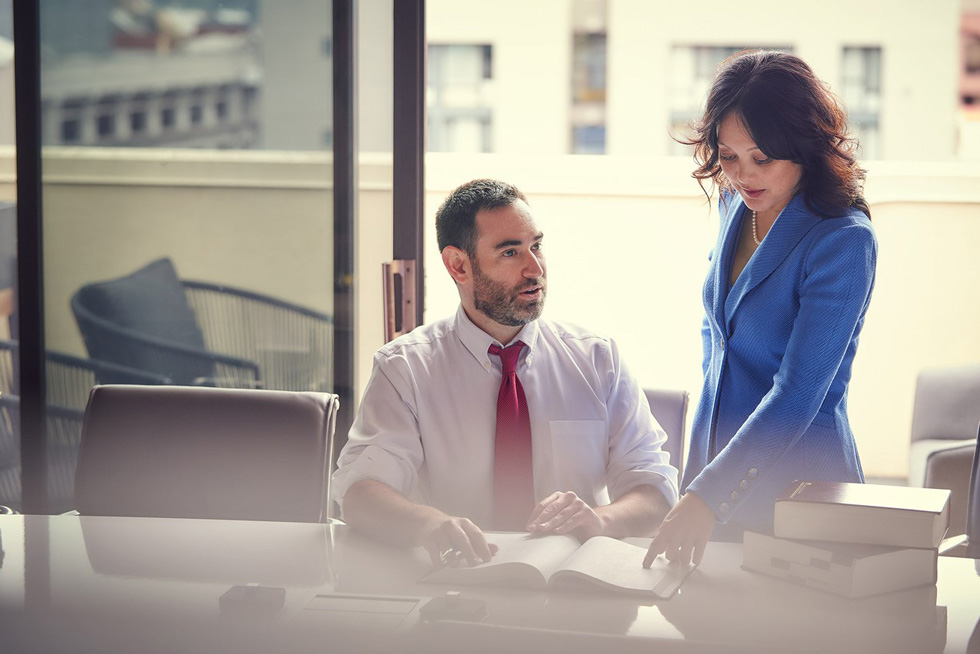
(920, 62)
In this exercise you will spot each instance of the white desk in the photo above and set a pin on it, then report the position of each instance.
(92, 584)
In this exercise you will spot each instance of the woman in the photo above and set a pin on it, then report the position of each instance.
(788, 286)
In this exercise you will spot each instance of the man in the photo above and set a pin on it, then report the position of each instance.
(433, 460)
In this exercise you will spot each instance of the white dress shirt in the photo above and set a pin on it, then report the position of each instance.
(427, 421)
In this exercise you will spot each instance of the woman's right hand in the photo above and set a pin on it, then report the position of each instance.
(684, 532)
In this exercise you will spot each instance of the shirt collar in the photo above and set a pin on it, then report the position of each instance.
(478, 341)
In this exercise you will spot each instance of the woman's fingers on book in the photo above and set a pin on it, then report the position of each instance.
(684, 532)
(657, 547)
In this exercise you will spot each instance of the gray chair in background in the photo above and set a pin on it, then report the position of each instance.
(670, 409)
(945, 415)
(199, 452)
(968, 544)
(198, 333)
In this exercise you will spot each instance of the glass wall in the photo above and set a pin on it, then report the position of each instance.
(187, 201)
(10, 486)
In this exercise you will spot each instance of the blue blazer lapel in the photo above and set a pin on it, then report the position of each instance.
(791, 226)
(724, 251)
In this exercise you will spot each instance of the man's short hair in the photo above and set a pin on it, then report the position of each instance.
(456, 218)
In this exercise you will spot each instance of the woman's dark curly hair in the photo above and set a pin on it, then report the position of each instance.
(791, 115)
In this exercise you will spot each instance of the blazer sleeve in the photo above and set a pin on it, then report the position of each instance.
(838, 278)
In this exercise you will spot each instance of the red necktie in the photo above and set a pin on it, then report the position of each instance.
(513, 479)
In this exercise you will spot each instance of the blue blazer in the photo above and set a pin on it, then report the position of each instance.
(778, 349)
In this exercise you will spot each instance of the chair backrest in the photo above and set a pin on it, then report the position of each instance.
(973, 505)
(670, 409)
(193, 452)
(947, 403)
(150, 303)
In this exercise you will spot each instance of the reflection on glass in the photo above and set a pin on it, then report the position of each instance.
(188, 232)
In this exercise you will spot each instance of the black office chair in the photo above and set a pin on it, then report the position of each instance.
(199, 452)
(670, 409)
(968, 544)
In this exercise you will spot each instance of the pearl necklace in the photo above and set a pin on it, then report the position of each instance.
(755, 231)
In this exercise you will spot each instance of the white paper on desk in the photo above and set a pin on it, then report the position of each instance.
(619, 566)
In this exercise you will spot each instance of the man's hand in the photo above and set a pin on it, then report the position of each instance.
(684, 532)
(450, 541)
(378, 510)
(565, 513)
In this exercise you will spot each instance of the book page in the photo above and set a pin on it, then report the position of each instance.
(520, 558)
(618, 566)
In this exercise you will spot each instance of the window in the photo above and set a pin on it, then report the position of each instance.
(589, 93)
(137, 122)
(860, 89)
(168, 118)
(459, 94)
(259, 221)
(105, 121)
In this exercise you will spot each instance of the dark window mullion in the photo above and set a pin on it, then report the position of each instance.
(344, 193)
(29, 329)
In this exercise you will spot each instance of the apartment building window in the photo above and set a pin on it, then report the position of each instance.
(198, 101)
(460, 88)
(168, 118)
(588, 111)
(105, 122)
(692, 69)
(138, 119)
(860, 89)
(72, 114)
(106, 126)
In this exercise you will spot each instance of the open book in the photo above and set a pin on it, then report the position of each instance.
(560, 561)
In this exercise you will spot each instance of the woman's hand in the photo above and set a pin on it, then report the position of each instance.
(684, 532)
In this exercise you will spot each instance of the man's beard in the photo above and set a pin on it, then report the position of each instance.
(501, 304)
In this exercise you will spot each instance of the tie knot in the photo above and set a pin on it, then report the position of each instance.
(508, 355)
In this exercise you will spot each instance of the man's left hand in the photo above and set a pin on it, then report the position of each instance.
(565, 513)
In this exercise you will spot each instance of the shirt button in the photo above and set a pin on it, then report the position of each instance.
(744, 484)
(734, 495)
(723, 507)
(753, 473)
(486, 365)
(721, 342)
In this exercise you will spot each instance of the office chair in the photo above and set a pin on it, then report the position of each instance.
(968, 544)
(945, 413)
(198, 452)
(670, 410)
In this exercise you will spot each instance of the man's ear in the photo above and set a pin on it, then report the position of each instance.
(457, 262)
